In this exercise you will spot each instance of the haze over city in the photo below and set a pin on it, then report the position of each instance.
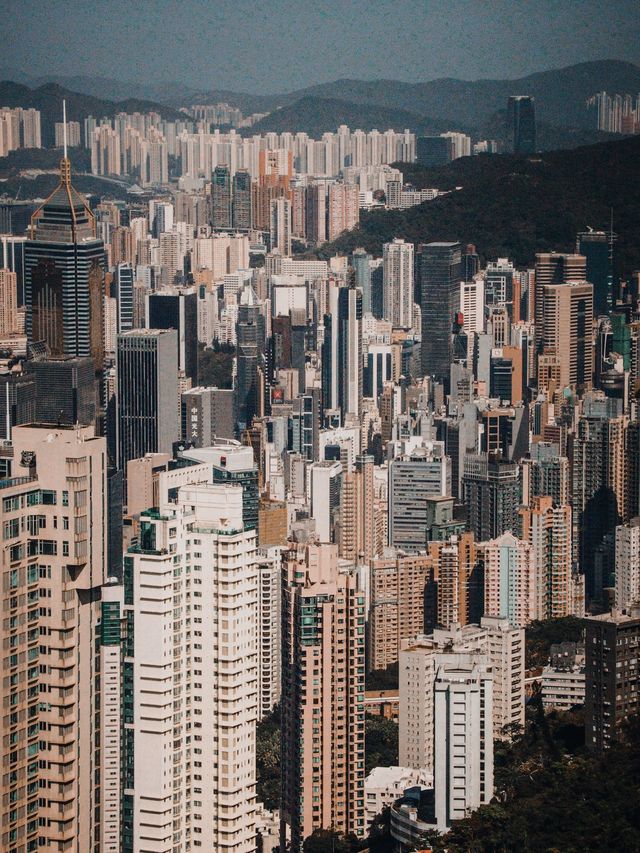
(319, 427)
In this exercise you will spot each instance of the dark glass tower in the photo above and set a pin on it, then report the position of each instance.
(241, 202)
(521, 116)
(250, 335)
(596, 247)
(440, 267)
(178, 309)
(64, 275)
(221, 197)
(123, 281)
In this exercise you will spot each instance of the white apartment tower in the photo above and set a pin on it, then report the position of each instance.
(628, 564)
(463, 767)
(195, 675)
(397, 283)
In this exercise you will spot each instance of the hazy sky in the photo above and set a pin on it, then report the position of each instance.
(267, 47)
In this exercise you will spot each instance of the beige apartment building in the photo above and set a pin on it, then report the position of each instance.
(54, 546)
(323, 636)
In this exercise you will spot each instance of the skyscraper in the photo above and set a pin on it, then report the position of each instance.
(510, 580)
(147, 393)
(597, 248)
(250, 338)
(434, 150)
(177, 308)
(221, 198)
(64, 275)
(567, 334)
(397, 283)
(8, 302)
(55, 507)
(280, 227)
(628, 564)
(123, 280)
(521, 117)
(440, 272)
(612, 675)
(194, 680)
(241, 201)
(322, 695)
(491, 493)
(342, 351)
(360, 261)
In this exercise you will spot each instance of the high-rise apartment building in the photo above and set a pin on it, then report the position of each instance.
(463, 718)
(612, 675)
(547, 527)
(400, 587)
(55, 538)
(269, 564)
(627, 561)
(147, 393)
(510, 580)
(280, 227)
(495, 641)
(323, 659)
(8, 302)
(521, 117)
(459, 581)
(545, 472)
(191, 598)
(343, 208)
(397, 283)
(568, 335)
(357, 512)
(440, 270)
(553, 268)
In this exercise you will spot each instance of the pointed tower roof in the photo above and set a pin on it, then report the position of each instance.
(65, 217)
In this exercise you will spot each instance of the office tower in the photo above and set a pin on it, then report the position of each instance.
(612, 675)
(440, 271)
(250, 337)
(53, 514)
(12, 255)
(64, 275)
(221, 198)
(472, 304)
(8, 302)
(357, 512)
(178, 309)
(280, 226)
(322, 695)
(207, 414)
(546, 472)
(147, 393)
(194, 681)
(553, 268)
(491, 494)
(400, 588)
(414, 477)
(123, 279)
(510, 580)
(463, 718)
(269, 564)
(65, 392)
(628, 564)
(597, 248)
(547, 527)
(433, 150)
(241, 201)
(397, 283)
(599, 488)
(521, 117)
(568, 333)
(17, 401)
(325, 484)
(360, 261)
(493, 639)
(342, 352)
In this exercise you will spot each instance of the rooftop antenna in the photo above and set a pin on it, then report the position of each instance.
(64, 126)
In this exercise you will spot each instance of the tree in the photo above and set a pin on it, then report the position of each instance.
(380, 742)
(268, 760)
(327, 841)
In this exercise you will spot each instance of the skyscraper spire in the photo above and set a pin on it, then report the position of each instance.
(65, 165)
(64, 127)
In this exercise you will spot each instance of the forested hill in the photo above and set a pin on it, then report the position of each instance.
(516, 206)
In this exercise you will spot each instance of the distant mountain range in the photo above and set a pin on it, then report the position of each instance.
(514, 207)
(560, 93)
(48, 99)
